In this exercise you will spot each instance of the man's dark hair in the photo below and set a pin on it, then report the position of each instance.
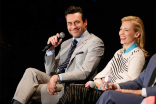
(75, 9)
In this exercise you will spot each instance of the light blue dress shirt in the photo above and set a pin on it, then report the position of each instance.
(48, 53)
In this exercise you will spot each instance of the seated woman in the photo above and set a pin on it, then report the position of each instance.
(128, 62)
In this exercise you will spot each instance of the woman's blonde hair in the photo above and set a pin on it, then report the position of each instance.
(138, 26)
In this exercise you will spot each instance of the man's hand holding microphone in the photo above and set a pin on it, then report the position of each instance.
(54, 41)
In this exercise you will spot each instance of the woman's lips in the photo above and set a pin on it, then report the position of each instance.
(123, 38)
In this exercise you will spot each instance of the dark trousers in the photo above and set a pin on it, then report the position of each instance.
(115, 97)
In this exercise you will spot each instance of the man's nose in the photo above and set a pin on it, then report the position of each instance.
(73, 26)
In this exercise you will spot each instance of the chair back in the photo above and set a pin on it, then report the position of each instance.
(78, 94)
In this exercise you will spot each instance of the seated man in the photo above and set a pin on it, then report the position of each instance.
(132, 92)
(77, 59)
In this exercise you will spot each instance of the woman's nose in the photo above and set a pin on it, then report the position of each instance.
(120, 32)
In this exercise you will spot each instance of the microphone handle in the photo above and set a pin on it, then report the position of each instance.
(49, 45)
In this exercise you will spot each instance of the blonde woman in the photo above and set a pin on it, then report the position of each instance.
(127, 63)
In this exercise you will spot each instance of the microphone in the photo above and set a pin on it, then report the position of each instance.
(92, 85)
(62, 35)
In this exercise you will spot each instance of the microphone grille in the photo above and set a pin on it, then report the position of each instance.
(62, 35)
(92, 84)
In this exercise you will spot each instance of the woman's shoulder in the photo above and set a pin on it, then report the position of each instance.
(137, 51)
(134, 52)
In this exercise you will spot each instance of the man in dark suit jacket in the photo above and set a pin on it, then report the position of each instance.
(132, 92)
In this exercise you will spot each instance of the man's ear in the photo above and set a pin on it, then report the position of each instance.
(85, 22)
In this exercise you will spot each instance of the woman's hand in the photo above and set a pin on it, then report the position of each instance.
(88, 84)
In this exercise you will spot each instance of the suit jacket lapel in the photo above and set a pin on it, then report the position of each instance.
(65, 49)
(81, 43)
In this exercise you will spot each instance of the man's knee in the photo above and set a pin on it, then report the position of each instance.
(106, 97)
(28, 70)
(109, 92)
(106, 94)
(32, 71)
